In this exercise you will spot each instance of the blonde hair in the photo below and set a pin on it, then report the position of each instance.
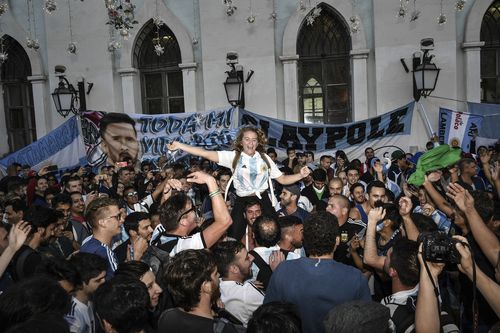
(261, 139)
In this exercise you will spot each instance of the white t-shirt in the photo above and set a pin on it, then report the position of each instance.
(264, 253)
(81, 317)
(194, 242)
(241, 299)
(251, 174)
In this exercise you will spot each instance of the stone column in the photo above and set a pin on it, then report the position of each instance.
(189, 86)
(130, 90)
(472, 70)
(291, 90)
(359, 84)
(40, 104)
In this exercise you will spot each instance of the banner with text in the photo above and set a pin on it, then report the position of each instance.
(211, 130)
(457, 128)
(62, 147)
(383, 130)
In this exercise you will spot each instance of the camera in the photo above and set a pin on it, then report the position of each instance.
(427, 44)
(232, 58)
(439, 247)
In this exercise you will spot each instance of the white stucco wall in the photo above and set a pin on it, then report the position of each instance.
(260, 47)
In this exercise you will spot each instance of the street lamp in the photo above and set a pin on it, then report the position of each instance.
(425, 73)
(66, 97)
(234, 85)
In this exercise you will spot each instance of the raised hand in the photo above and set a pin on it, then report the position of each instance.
(199, 177)
(434, 176)
(18, 234)
(461, 196)
(376, 214)
(305, 171)
(174, 145)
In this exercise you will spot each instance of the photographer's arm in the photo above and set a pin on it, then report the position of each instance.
(208, 154)
(488, 288)
(17, 236)
(370, 253)
(438, 199)
(427, 316)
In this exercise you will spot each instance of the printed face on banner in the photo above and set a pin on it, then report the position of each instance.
(120, 143)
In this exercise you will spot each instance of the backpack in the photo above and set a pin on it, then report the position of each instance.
(158, 256)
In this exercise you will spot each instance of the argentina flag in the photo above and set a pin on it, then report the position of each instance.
(457, 128)
(62, 147)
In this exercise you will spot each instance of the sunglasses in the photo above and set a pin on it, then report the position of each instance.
(132, 194)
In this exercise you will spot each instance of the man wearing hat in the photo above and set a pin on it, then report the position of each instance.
(398, 167)
(289, 198)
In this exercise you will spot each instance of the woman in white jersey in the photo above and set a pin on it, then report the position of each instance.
(252, 173)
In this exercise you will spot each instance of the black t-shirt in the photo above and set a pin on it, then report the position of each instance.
(347, 231)
(176, 320)
(30, 261)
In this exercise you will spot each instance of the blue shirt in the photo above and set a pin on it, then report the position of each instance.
(315, 286)
(94, 246)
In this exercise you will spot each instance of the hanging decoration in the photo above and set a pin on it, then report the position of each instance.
(459, 5)
(230, 7)
(71, 49)
(354, 20)
(158, 22)
(31, 43)
(302, 5)
(251, 16)
(113, 44)
(3, 8)
(196, 18)
(50, 6)
(121, 15)
(3, 54)
(415, 14)
(442, 17)
(313, 15)
(273, 16)
(402, 11)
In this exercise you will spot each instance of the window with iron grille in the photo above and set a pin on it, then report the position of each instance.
(324, 69)
(17, 95)
(490, 55)
(161, 77)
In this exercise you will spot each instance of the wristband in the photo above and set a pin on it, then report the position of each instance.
(214, 193)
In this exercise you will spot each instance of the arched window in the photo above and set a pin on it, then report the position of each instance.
(324, 69)
(490, 54)
(161, 77)
(17, 95)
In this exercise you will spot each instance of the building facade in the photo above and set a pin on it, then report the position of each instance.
(324, 62)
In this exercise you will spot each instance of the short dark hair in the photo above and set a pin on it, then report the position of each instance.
(366, 149)
(271, 150)
(266, 230)
(484, 205)
(275, 317)
(375, 183)
(132, 269)
(114, 118)
(324, 157)
(392, 213)
(35, 295)
(319, 175)
(225, 254)
(185, 275)
(289, 221)
(61, 198)
(461, 163)
(404, 260)
(40, 217)
(17, 205)
(88, 265)
(358, 316)
(321, 230)
(252, 202)
(59, 269)
(123, 303)
(94, 208)
(172, 209)
(223, 172)
(353, 187)
(132, 220)
(423, 223)
(290, 149)
(308, 152)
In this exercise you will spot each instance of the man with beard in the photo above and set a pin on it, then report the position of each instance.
(77, 210)
(138, 227)
(240, 297)
(292, 234)
(290, 196)
(71, 229)
(119, 138)
(15, 210)
(43, 221)
(194, 299)
(376, 193)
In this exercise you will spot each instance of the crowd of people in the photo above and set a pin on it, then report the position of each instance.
(237, 241)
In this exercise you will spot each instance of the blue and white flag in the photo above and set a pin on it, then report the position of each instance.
(457, 128)
(491, 114)
(62, 147)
